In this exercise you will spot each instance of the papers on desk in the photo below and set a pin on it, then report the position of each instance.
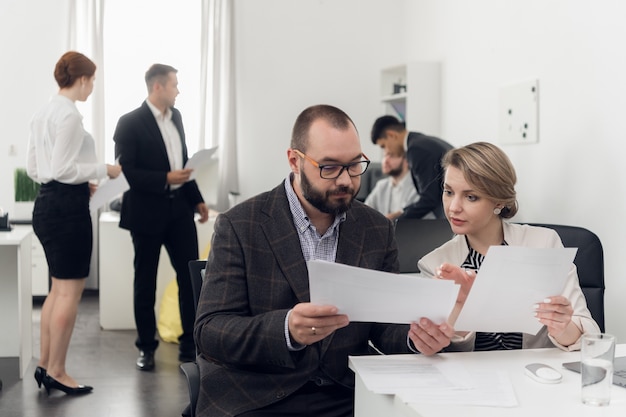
(383, 297)
(510, 281)
(200, 159)
(434, 380)
(107, 190)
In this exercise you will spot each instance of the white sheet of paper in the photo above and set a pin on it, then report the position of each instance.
(108, 190)
(490, 388)
(510, 281)
(381, 297)
(434, 380)
(199, 159)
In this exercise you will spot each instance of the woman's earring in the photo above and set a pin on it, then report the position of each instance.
(497, 211)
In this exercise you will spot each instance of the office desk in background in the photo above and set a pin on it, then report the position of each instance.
(534, 399)
(16, 303)
(117, 272)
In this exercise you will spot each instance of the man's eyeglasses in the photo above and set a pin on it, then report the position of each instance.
(333, 171)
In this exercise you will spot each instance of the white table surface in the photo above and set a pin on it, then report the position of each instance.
(535, 399)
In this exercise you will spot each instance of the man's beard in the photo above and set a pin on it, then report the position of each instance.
(321, 201)
(395, 172)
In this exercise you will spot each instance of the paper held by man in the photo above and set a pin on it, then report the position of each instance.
(511, 280)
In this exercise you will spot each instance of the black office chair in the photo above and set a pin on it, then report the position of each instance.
(190, 369)
(589, 263)
(196, 271)
(417, 237)
(369, 179)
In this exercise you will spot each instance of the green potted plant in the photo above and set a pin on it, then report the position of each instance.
(26, 191)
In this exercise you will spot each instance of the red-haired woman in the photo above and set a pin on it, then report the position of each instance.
(62, 157)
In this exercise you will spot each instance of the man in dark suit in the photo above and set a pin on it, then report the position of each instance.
(159, 207)
(264, 349)
(423, 154)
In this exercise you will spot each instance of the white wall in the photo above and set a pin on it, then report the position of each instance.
(291, 54)
(574, 174)
(33, 34)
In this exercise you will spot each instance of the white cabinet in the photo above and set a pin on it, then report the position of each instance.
(39, 266)
(16, 302)
(116, 270)
(412, 92)
(39, 272)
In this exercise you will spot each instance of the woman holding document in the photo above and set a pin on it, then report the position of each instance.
(478, 196)
(62, 157)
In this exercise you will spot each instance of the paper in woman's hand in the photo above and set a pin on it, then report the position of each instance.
(510, 281)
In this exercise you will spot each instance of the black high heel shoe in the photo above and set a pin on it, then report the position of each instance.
(39, 374)
(50, 383)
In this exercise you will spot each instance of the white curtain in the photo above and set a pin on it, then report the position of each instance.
(218, 107)
(85, 36)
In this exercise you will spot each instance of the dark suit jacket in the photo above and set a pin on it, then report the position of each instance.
(142, 154)
(255, 273)
(424, 155)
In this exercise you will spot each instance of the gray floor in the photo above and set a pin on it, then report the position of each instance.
(105, 360)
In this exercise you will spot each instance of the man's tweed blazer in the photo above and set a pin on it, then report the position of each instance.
(255, 273)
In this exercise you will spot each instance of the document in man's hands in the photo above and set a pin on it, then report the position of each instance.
(382, 297)
(510, 281)
(200, 159)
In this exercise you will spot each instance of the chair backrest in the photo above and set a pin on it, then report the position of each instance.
(196, 272)
(190, 369)
(417, 237)
(589, 263)
(369, 179)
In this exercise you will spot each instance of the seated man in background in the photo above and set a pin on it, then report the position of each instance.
(423, 153)
(264, 349)
(392, 194)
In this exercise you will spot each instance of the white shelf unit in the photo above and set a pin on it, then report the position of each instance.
(412, 92)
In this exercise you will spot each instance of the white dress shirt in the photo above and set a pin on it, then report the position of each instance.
(389, 198)
(171, 138)
(59, 148)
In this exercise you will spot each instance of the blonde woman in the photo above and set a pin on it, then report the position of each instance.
(478, 197)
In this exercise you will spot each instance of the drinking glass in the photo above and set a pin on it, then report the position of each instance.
(597, 353)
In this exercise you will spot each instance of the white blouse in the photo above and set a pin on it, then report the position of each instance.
(59, 148)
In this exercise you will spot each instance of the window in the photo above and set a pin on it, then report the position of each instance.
(137, 34)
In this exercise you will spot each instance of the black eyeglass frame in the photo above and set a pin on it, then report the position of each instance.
(344, 167)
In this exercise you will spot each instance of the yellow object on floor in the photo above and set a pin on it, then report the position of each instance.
(168, 323)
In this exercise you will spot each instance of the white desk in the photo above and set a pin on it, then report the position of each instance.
(16, 302)
(534, 399)
(116, 271)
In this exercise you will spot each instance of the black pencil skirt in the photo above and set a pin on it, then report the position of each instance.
(62, 222)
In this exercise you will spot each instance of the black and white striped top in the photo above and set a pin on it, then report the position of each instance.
(490, 341)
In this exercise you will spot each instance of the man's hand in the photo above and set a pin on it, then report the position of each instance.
(310, 323)
(394, 215)
(430, 338)
(179, 176)
(203, 210)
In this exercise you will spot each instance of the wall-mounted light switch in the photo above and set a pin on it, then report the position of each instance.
(519, 112)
